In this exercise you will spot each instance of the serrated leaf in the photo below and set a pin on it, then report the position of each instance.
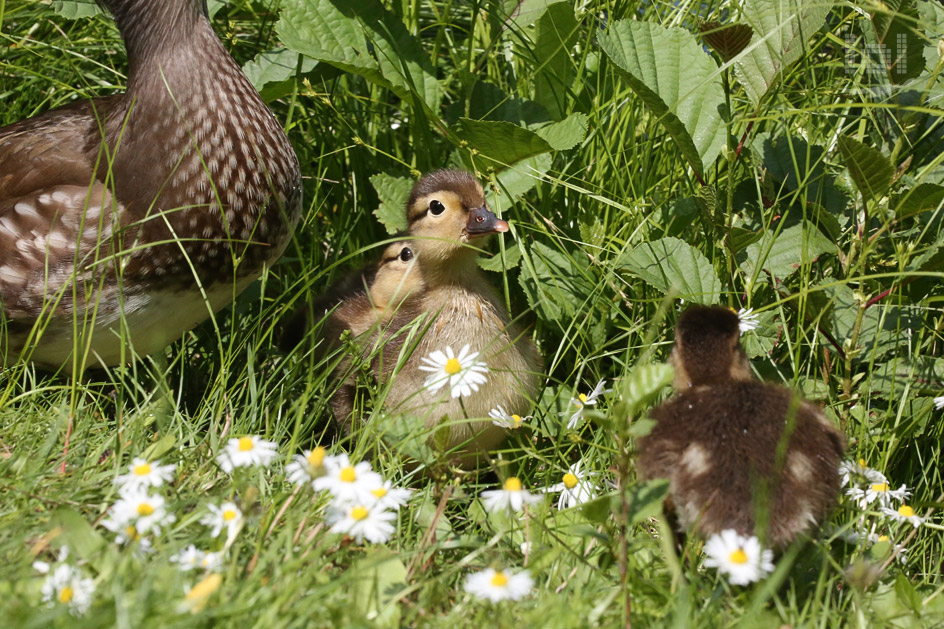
(870, 170)
(900, 38)
(75, 8)
(501, 142)
(393, 193)
(566, 134)
(644, 382)
(498, 263)
(782, 29)
(676, 79)
(672, 265)
(728, 40)
(362, 37)
(556, 32)
(800, 166)
(275, 66)
(516, 180)
(555, 283)
(925, 196)
(783, 254)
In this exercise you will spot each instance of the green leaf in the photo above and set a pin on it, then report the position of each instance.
(554, 40)
(645, 499)
(676, 79)
(782, 29)
(275, 66)
(728, 40)
(393, 193)
(673, 266)
(799, 166)
(380, 576)
(362, 37)
(644, 382)
(555, 283)
(870, 170)
(783, 254)
(76, 533)
(501, 142)
(516, 180)
(498, 263)
(566, 134)
(925, 196)
(898, 30)
(75, 8)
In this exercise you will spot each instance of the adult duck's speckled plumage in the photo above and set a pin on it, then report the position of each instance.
(734, 448)
(117, 213)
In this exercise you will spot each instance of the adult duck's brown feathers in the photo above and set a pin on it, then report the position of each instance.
(738, 452)
(127, 220)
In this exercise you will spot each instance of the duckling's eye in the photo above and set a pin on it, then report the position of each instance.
(436, 207)
(406, 254)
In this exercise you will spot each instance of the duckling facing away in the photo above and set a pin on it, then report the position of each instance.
(372, 304)
(448, 218)
(736, 450)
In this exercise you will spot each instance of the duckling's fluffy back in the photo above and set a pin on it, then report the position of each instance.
(719, 445)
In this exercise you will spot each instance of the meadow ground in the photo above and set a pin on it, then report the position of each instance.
(647, 155)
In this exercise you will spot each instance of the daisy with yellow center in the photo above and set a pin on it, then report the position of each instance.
(747, 320)
(246, 452)
(879, 493)
(66, 585)
(575, 487)
(307, 466)
(348, 483)
(511, 497)
(904, 513)
(225, 516)
(855, 473)
(142, 474)
(463, 372)
(499, 585)
(582, 401)
(362, 521)
(190, 558)
(137, 513)
(742, 558)
(500, 417)
(389, 497)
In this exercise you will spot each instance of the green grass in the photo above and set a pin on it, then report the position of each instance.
(856, 325)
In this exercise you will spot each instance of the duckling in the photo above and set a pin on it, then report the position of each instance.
(372, 304)
(736, 450)
(447, 219)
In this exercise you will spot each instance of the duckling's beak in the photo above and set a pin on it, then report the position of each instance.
(482, 221)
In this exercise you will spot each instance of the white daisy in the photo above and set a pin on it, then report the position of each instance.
(501, 418)
(66, 584)
(225, 516)
(510, 497)
(370, 522)
(136, 513)
(499, 585)
(349, 483)
(741, 558)
(582, 401)
(389, 497)
(190, 558)
(246, 452)
(881, 493)
(939, 402)
(143, 474)
(463, 373)
(904, 513)
(747, 320)
(854, 472)
(306, 467)
(575, 487)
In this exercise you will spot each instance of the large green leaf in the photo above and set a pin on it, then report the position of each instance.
(783, 254)
(75, 8)
(393, 193)
(925, 196)
(500, 142)
(676, 79)
(800, 166)
(275, 66)
(555, 283)
(566, 134)
(556, 33)
(902, 43)
(362, 37)
(673, 265)
(870, 170)
(782, 29)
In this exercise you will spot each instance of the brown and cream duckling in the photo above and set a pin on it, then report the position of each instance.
(127, 220)
(448, 219)
(738, 453)
(372, 304)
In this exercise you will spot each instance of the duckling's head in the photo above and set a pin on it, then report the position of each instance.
(447, 210)
(396, 277)
(707, 349)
